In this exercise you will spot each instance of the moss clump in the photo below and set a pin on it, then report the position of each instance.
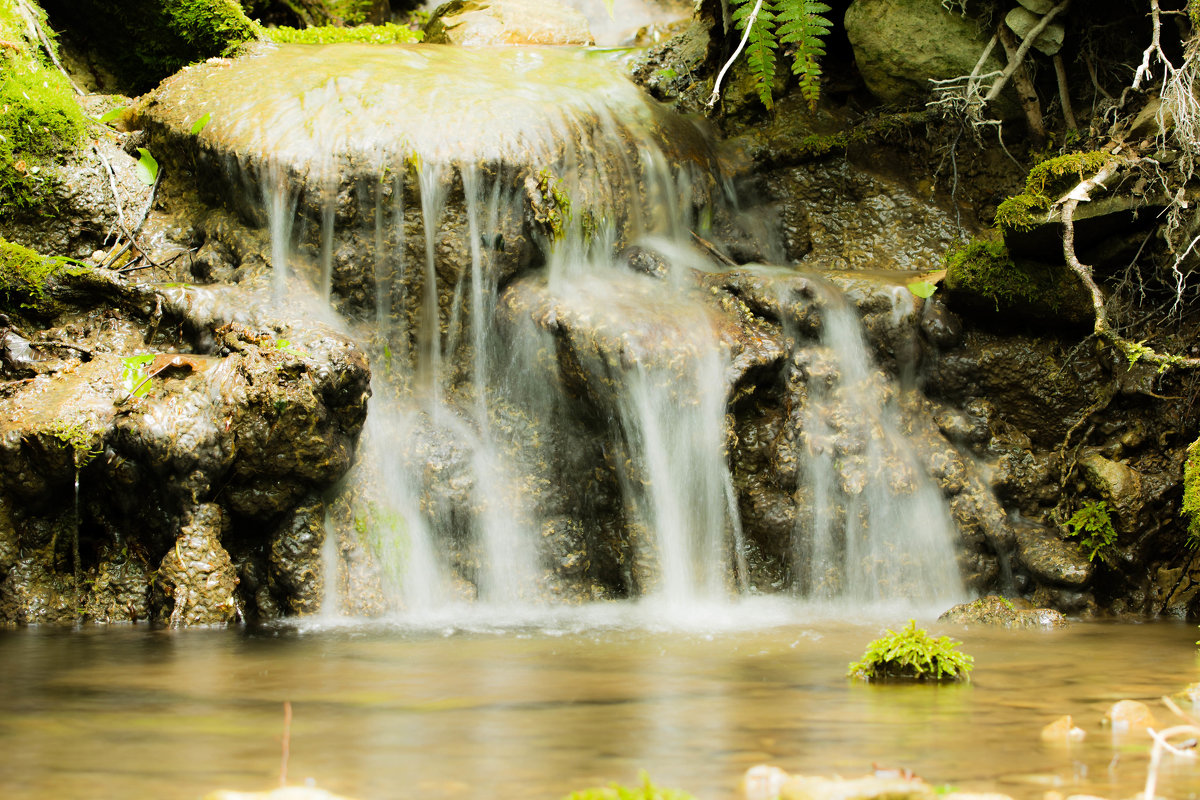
(145, 41)
(331, 34)
(26, 278)
(647, 791)
(39, 118)
(1190, 508)
(982, 273)
(913, 653)
(1045, 183)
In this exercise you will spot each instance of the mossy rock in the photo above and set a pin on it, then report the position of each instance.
(28, 280)
(983, 277)
(332, 34)
(144, 41)
(39, 117)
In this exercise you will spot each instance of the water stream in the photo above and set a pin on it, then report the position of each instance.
(518, 713)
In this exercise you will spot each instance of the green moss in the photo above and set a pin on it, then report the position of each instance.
(1044, 184)
(83, 438)
(145, 41)
(1018, 213)
(912, 653)
(647, 791)
(39, 119)
(25, 278)
(330, 34)
(1190, 508)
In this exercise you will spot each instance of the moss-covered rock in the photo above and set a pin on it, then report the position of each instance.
(39, 116)
(1045, 183)
(983, 276)
(26, 279)
(144, 41)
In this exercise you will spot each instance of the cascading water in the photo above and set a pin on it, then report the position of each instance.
(877, 528)
(551, 370)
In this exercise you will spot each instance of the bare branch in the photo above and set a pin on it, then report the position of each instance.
(716, 92)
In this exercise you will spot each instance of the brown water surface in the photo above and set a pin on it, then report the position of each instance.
(533, 712)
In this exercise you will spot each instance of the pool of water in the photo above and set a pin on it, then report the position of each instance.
(533, 709)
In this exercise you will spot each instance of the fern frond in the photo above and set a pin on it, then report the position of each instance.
(760, 49)
(800, 23)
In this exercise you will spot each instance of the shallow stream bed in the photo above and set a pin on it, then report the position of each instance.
(505, 709)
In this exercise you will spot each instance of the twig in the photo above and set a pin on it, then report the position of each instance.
(713, 251)
(1026, 92)
(1161, 744)
(81, 350)
(716, 92)
(31, 21)
(112, 182)
(287, 741)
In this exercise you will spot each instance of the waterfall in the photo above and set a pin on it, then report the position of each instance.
(551, 372)
(877, 528)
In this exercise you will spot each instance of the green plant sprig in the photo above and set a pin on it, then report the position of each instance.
(913, 654)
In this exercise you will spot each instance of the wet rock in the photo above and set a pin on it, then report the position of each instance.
(295, 573)
(941, 326)
(900, 45)
(506, 22)
(800, 787)
(33, 594)
(1119, 485)
(1004, 613)
(1051, 560)
(118, 588)
(1129, 717)
(196, 580)
(1062, 731)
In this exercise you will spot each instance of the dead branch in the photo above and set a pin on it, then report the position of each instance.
(32, 23)
(716, 92)
(1153, 49)
(1064, 93)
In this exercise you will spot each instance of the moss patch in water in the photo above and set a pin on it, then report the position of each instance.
(647, 791)
(331, 34)
(913, 653)
(39, 117)
(145, 41)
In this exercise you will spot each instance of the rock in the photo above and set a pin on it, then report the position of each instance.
(1062, 730)
(196, 579)
(1038, 7)
(1130, 717)
(900, 45)
(1004, 613)
(1119, 485)
(507, 22)
(295, 573)
(1050, 559)
(869, 788)
(286, 793)
(1022, 21)
(763, 782)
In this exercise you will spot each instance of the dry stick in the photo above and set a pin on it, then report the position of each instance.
(1016, 60)
(287, 741)
(716, 92)
(1064, 94)
(130, 235)
(31, 21)
(1101, 327)
(1161, 744)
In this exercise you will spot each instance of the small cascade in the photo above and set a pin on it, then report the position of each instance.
(553, 359)
(873, 526)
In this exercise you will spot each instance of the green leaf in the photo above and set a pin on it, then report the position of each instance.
(609, 5)
(200, 124)
(923, 289)
(133, 374)
(147, 167)
(109, 116)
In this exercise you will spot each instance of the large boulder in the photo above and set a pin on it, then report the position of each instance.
(901, 45)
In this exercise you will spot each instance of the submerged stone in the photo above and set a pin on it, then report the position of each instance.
(505, 22)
